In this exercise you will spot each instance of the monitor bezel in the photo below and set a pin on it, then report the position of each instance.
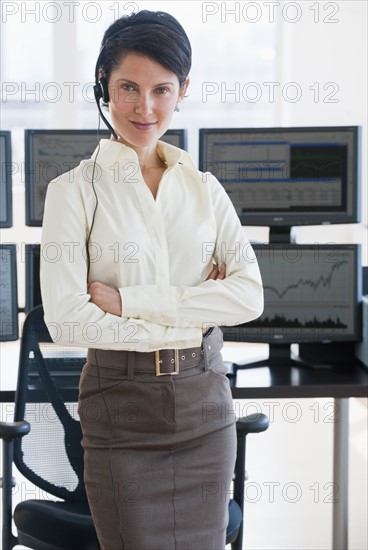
(32, 250)
(31, 219)
(181, 133)
(247, 332)
(283, 218)
(14, 335)
(8, 222)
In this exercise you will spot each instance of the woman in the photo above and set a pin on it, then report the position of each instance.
(135, 242)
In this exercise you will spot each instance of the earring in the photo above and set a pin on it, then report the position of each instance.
(177, 109)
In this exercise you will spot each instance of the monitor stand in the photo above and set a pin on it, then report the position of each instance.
(281, 362)
(279, 356)
(280, 234)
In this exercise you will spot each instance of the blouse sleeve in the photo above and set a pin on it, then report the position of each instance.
(72, 319)
(234, 300)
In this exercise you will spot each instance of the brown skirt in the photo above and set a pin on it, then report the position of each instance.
(159, 450)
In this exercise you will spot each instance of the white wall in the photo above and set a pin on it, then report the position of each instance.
(317, 53)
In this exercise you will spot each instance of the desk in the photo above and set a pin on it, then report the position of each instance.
(339, 383)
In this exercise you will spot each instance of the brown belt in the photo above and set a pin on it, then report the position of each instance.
(161, 362)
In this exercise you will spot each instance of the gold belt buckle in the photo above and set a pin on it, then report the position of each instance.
(158, 361)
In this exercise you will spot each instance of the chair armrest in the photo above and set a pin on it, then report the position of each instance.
(252, 424)
(13, 430)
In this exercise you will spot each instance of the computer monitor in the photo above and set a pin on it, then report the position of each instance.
(365, 280)
(282, 177)
(33, 287)
(178, 138)
(312, 296)
(8, 296)
(6, 212)
(50, 153)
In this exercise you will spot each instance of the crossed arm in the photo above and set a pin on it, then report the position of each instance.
(108, 298)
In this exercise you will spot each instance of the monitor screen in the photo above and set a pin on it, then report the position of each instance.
(312, 294)
(6, 213)
(286, 176)
(50, 153)
(8, 294)
(33, 287)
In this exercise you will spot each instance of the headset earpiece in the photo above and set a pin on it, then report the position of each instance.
(104, 90)
(97, 91)
(101, 90)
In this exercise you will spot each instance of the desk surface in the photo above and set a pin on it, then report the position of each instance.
(257, 383)
(289, 382)
(285, 381)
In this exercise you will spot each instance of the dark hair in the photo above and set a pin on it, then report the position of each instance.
(154, 34)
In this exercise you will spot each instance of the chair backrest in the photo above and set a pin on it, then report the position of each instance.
(50, 456)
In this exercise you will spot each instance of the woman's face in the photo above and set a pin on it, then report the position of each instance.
(143, 96)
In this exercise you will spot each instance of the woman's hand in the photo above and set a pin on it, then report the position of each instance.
(105, 297)
(215, 273)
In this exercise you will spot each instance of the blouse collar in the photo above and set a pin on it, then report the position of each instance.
(108, 152)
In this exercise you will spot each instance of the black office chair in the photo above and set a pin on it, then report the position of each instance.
(51, 456)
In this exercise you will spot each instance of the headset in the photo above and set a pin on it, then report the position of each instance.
(100, 89)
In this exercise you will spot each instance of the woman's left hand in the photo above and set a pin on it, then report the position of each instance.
(105, 297)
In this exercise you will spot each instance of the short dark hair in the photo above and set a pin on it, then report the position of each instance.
(154, 34)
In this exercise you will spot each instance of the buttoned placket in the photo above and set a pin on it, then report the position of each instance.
(156, 228)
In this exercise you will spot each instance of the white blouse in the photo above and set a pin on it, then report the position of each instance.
(156, 252)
